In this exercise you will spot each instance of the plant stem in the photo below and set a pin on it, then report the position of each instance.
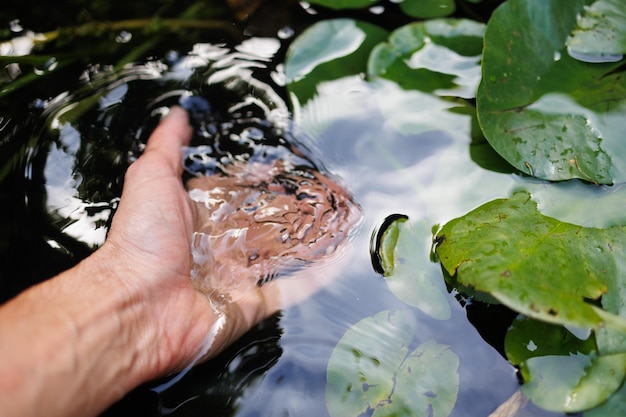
(154, 24)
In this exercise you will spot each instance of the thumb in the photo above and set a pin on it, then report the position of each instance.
(170, 135)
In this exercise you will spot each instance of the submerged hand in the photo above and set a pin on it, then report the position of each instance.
(150, 243)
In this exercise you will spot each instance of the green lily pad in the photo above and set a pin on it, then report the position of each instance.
(440, 56)
(427, 9)
(548, 114)
(614, 406)
(599, 35)
(562, 371)
(528, 338)
(573, 383)
(536, 265)
(411, 276)
(373, 370)
(328, 50)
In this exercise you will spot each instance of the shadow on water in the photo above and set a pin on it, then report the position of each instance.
(77, 146)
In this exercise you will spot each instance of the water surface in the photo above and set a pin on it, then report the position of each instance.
(391, 150)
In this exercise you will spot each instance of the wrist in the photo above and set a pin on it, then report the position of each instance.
(73, 344)
(163, 339)
(124, 312)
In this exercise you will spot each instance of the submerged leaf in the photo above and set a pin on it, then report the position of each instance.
(383, 243)
(373, 371)
(536, 265)
(573, 383)
(548, 114)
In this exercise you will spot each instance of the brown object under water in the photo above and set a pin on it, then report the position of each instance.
(259, 221)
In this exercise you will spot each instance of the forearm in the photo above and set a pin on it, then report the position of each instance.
(70, 346)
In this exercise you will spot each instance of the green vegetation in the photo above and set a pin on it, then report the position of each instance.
(551, 103)
(534, 95)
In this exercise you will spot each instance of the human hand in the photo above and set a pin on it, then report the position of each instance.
(124, 315)
(130, 313)
(150, 241)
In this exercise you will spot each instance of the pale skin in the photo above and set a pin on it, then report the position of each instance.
(127, 314)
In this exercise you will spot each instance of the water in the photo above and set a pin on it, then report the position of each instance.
(393, 151)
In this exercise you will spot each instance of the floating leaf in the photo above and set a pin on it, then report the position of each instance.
(528, 338)
(549, 115)
(600, 33)
(426, 9)
(562, 371)
(573, 383)
(373, 371)
(536, 265)
(440, 56)
(614, 406)
(403, 251)
(328, 50)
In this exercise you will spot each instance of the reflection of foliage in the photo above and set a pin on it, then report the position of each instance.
(104, 37)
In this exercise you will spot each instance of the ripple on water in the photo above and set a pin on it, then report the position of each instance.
(264, 219)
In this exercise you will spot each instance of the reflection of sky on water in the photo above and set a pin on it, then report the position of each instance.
(441, 59)
(403, 152)
(62, 200)
(412, 159)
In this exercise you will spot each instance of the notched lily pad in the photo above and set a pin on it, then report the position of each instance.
(528, 338)
(536, 265)
(375, 370)
(563, 372)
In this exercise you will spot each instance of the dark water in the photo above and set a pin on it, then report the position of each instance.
(64, 156)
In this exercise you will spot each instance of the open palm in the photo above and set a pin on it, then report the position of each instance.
(150, 240)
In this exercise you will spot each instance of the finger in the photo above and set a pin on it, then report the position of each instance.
(170, 135)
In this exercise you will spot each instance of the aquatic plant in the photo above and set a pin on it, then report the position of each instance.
(528, 100)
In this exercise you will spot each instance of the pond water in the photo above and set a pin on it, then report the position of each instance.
(395, 151)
